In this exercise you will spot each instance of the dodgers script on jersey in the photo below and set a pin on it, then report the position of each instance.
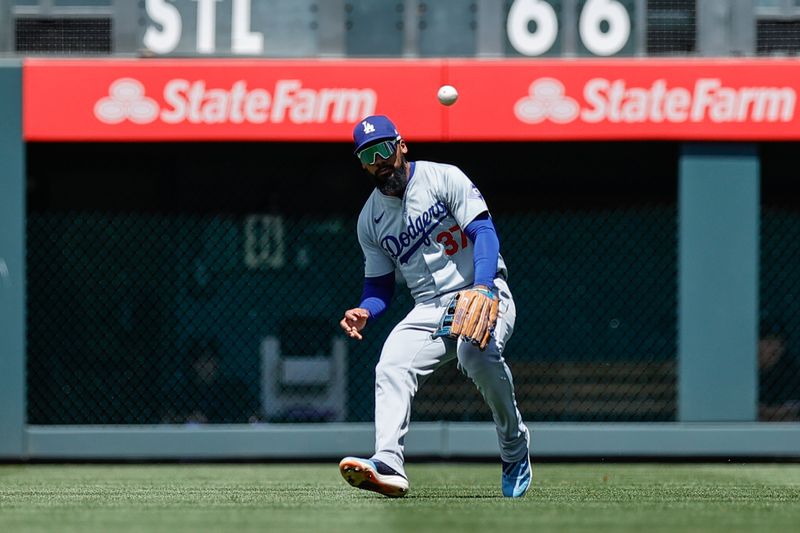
(422, 236)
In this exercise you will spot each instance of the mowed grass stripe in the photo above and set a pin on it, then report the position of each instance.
(444, 497)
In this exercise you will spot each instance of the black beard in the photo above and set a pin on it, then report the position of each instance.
(395, 183)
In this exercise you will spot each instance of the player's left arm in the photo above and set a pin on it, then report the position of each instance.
(463, 199)
(486, 249)
(467, 205)
(472, 314)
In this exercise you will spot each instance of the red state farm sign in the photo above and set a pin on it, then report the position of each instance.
(321, 100)
(630, 99)
(192, 102)
(152, 100)
(614, 102)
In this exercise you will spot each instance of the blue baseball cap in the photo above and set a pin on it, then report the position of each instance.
(372, 129)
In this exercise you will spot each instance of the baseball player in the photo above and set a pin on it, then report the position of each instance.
(429, 222)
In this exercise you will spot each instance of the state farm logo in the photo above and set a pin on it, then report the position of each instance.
(126, 100)
(192, 102)
(614, 101)
(546, 100)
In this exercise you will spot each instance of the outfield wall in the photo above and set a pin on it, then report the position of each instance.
(445, 440)
(12, 263)
(717, 315)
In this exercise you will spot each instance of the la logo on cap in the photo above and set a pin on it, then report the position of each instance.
(368, 128)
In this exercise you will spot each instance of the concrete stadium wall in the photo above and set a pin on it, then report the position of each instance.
(12, 262)
(445, 440)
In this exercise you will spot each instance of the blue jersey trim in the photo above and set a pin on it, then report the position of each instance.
(483, 234)
(377, 294)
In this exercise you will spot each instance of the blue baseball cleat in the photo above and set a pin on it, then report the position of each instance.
(369, 474)
(516, 477)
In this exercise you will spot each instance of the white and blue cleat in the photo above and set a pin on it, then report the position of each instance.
(516, 477)
(373, 475)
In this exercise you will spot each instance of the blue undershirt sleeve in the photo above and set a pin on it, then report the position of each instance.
(483, 234)
(377, 294)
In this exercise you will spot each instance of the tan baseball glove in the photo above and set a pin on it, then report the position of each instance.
(471, 315)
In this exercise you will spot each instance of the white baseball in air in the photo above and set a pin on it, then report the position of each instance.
(447, 95)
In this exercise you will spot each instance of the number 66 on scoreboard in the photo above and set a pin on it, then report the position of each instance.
(604, 27)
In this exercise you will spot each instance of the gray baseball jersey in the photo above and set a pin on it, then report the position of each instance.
(422, 235)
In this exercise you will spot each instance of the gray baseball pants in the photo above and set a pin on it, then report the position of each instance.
(410, 354)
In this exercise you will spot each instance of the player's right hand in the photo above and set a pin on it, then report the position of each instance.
(354, 321)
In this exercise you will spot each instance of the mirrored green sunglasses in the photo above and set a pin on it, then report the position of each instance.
(384, 149)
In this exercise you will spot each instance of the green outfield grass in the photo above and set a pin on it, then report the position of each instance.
(444, 497)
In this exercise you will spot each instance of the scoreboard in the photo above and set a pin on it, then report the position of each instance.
(527, 28)
(604, 27)
(401, 28)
